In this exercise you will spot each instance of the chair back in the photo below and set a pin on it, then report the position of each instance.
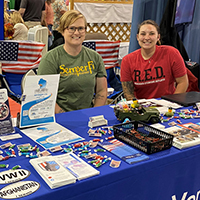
(30, 72)
(39, 34)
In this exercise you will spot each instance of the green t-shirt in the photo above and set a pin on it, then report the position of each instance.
(77, 75)
(12, 4)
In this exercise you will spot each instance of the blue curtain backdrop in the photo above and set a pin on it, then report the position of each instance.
(154, 9)
(191, 35)
(143, 10)
(1, 20)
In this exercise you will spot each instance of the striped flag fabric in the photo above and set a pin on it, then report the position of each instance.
(109, 51)
(113, 144)
(20, 56)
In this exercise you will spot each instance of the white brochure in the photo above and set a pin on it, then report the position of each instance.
(39, 99)
(51, 135)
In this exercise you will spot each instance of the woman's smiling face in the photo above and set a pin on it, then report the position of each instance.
(148, 36)
(77, 37)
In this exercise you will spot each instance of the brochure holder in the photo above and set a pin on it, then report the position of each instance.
(97, 121)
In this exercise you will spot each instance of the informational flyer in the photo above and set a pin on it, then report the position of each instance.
(123, 151)
(5, 117)
(78, 167)
(53, 173)
(51, 135)
(185, 135)
(39, 99)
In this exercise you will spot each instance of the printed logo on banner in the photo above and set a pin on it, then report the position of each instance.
(19, 189)
(11, 176)
(185, 197)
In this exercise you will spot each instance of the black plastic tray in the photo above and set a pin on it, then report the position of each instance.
(143, 137)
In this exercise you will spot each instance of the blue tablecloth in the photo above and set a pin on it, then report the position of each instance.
(169, 174)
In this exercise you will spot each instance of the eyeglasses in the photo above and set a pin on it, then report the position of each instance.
(72, 29)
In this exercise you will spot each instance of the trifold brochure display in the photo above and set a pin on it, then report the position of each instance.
(38, 100)
(6, 126)
(63, 169)
(185, 135)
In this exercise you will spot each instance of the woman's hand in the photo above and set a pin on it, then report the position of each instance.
(101, 92)
(58, 109)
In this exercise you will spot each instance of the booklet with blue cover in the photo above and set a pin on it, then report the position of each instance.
(123, 151)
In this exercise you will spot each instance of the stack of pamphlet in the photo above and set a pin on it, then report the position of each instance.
(79, 168)
(63, 169)
(53, 173)
(185, 135)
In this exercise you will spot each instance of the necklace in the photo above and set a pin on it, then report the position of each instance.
(147, 57)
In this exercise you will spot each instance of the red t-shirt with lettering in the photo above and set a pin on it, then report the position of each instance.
(154, 77)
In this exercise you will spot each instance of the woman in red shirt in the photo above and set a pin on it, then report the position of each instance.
(153, 70)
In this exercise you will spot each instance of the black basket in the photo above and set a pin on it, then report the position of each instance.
(143, 137)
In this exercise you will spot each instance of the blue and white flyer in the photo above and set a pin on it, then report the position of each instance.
(51, 135)
(39, 99)
(5, 117)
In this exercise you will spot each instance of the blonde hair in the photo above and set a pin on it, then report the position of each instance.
(68, 18)
(16, 18)
(5, 6)
(6, 17)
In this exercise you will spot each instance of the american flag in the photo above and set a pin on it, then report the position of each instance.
(20, 56)
(109, 51)
(113, 144)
